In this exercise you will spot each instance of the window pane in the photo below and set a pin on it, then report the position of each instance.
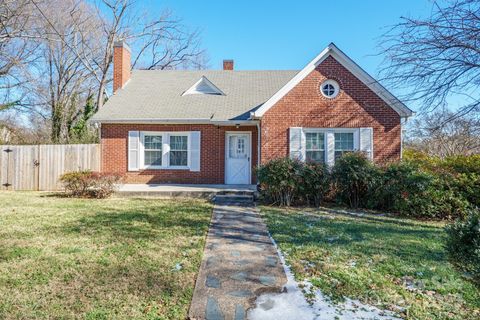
(178, 143)
(153, 142)
(178, 150)
(153, 158)
(153, 150)
(231, 146)
(344, 141)
(315, 141)
(237, 147)
(315, 156)
(178, 158)
(338, 154)
(241, 147)
(315, 146)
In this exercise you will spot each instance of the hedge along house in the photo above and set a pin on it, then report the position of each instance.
(215, 127)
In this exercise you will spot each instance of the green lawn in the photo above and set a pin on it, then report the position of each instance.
(98, 259)
(375, 259)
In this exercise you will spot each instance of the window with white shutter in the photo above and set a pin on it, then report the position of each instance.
(163, 150)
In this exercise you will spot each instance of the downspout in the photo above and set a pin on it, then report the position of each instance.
(98, 125)
(403, 121)
(259, 143)
(259, 140)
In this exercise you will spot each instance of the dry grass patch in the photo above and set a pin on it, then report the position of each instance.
(99, 259)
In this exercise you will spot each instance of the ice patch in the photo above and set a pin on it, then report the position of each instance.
(292, 304)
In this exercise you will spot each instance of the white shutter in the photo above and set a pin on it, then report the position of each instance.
(165, 149)
(133, 150)
(195, 151)
(330, 148)
(366, 141)
(297, 143)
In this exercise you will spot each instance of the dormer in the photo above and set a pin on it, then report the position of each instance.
(204, 86)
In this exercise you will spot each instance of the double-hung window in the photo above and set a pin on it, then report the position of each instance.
(344, 143)
(152, 144)
(315, 146)
(178, 150)
(159, 150)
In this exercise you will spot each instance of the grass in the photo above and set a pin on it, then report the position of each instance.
(63, 258)
(375, 259)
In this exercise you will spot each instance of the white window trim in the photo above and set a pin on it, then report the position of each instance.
(326, 131)
(142, 147)
(356, 140)
(325, 147)
(165, 150)
(334, 84)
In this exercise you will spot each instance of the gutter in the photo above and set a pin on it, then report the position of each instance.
(176, 121)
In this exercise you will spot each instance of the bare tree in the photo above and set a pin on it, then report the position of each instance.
(72, 46)
(436, 60)
(65, 83)
(162, 42)
(159, 43)
(436, 136)
(16, 49)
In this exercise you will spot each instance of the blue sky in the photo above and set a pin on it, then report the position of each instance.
(267, 34)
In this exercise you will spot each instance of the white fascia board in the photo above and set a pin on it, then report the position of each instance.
(350, 65)
(177, 121)
(291, 84)
(370, 82)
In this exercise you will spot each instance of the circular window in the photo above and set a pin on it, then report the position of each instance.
(330, 89)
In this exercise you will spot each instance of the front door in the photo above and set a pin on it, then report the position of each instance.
(237, 166)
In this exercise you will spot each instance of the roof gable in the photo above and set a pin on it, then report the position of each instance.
(204, 86)
(350, 65)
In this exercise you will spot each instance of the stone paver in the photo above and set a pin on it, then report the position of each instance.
(239, 264)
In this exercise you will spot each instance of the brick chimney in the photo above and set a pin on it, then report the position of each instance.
(121, 64)
(227, 64)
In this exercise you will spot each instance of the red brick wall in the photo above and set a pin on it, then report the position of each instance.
(121, 66)
(356, 106)
(212, 161)
(228, 65)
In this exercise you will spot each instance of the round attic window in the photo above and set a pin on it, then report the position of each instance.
(330, 89)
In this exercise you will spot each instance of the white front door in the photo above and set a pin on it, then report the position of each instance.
(238, 156)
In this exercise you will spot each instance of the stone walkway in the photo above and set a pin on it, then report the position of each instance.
(239, 264)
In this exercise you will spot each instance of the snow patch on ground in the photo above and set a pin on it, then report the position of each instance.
(292, 304)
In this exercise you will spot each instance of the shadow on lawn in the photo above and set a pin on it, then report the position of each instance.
(143, 222)
(365, 235)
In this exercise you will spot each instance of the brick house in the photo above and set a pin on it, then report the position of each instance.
(216, 126)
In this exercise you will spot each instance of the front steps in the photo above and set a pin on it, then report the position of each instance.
(245, 198)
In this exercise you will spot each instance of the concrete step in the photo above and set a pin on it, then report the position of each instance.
(234, 198)
(236, 193)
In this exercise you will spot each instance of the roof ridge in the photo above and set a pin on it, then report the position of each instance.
(217, 70)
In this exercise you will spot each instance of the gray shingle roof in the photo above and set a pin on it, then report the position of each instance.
(157, 95)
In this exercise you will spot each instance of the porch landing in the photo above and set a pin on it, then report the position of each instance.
(184, 190)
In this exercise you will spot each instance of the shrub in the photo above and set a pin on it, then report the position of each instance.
(402, 186)
(279, 180)
(420, 187)
(463, 245)
(407, 189)
(468, 185)
(463, 164)
(461, 173)
(314, 182)
(90, 184)
(354, 177)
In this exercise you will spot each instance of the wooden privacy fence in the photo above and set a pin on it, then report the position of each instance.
(38, 167)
